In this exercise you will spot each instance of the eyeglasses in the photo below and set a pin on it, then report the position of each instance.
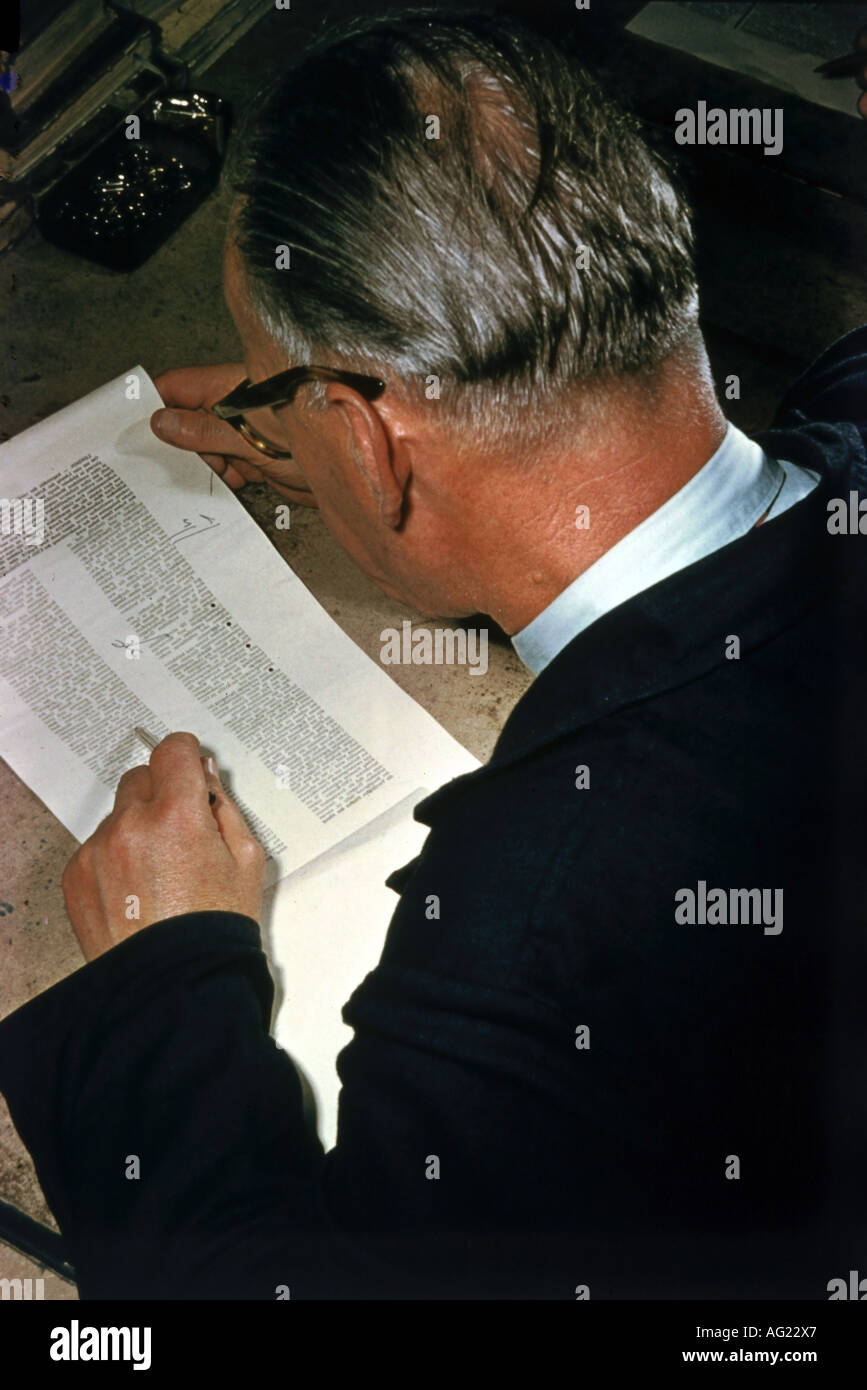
(281, 390)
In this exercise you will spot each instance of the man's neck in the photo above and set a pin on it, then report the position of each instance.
(585, 506)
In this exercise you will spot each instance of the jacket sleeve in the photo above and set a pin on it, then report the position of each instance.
(168, 1133)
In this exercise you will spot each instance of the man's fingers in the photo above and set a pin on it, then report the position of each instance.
(179, 772)
(862, 104)
(231, 475)
(233, 828)
(234, 478)
(186, 421)
(176, 771)
(198, 430)
(203, 434)
(133, 787)
(192, 388)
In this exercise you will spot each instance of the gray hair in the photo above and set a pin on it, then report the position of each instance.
(460, 257)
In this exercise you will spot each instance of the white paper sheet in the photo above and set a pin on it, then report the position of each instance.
(325, 927)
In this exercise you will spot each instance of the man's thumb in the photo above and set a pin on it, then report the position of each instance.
(189, 429)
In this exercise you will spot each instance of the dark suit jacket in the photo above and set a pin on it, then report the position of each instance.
(710, 1140)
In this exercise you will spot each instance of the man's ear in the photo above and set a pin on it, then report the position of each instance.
(380, 452)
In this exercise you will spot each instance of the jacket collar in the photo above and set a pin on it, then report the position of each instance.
(676, 630)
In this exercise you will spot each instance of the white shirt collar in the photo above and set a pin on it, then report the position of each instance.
(719, 504)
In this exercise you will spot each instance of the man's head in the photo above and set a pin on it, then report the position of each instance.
(468, 218)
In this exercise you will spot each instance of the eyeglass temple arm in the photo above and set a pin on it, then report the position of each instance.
(282, 389)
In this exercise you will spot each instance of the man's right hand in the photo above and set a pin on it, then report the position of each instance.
(861, 79)
(188, 393)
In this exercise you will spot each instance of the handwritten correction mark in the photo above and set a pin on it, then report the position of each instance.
(191, 528)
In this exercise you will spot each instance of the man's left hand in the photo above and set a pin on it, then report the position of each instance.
(163, 851)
